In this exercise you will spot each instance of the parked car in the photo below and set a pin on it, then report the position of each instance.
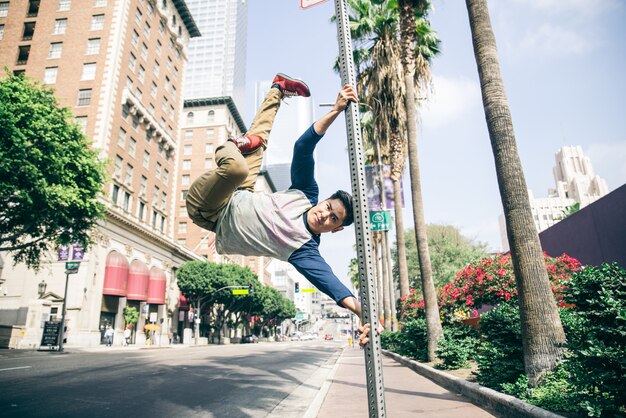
(328, 337)
(249, 339)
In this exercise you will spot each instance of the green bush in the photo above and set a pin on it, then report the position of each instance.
(411, 341)
(500, 357)
(596, 332)
(458, 346)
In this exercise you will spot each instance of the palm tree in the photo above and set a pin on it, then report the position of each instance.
(419, 45)
(542, 331)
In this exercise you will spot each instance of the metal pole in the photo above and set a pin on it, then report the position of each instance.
(62, 331)
(373, 355)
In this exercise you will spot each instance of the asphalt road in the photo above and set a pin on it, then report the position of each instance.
(247, 380)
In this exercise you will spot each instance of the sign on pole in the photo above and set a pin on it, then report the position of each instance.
(308, 3)
(240, 291)
(380, 220)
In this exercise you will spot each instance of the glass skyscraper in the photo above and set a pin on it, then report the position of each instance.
(217, 60)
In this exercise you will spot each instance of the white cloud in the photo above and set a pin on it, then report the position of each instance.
(608, 162)
(452, 99)
(555, 41)
(578, 7)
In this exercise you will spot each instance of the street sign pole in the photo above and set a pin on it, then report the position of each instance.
(373, 354)
(62, 331)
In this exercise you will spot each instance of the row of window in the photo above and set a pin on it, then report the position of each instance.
(157, 219)
(88, 73)
(33, 6)
(160, 173)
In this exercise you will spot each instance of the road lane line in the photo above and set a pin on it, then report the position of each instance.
(15, 368)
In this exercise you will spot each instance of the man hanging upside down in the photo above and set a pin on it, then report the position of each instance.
(285, 225)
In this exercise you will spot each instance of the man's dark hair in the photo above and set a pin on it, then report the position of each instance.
(346, 200)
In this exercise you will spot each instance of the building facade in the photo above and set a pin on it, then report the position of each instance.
(575, 182)
(217, 60)
(118, 65)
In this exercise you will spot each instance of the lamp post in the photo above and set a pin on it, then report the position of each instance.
(41, 288)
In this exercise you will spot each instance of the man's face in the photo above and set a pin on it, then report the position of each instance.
(326, 216)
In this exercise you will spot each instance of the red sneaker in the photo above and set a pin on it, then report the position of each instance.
(291, 87)
(247, 144)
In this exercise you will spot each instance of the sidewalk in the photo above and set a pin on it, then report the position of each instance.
(407, 394)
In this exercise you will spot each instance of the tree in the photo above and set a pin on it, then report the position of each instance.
(542, 331)
(50, 177)
(450, 251)
(569, 210)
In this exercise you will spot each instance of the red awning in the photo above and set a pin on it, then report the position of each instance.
(138, 278)
(183, 302)
(156, 287)
(115, 275)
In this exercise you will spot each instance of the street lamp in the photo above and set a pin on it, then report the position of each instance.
(41, 288)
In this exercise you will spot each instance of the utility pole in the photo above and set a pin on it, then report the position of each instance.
(373, 354)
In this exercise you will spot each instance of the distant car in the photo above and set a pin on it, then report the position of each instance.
(249, 339)
(328, 337)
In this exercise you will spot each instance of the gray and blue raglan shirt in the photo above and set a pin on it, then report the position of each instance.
(274, 225)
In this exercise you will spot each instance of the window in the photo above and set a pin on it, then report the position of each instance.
(141, 74)
(158, 47)
(121, 138)
(157, 68)
(84, 97)
(163, 200)
(182, 211)
(126, 204)
(182, 228)
(182, 241)
(64, 5)
(143, 186)
(4, 8)
(188, 135)
(146, 159)
(186, 164)
(183, 194)
(185, 180)
(166, 176)
(55, 50)
(132, 146)
(155, 196)
(210, 132)
(167, 84)
(1, 32)
(174, 92)
(211, 115)
(162, 224)
(33, 8)
(153, 89)
(157, 172)
(138, 16)
(118, 166)
(60, 25)
(132, 61)
(208, 149)
(129, 83)
(89, 71)
(97, 22)
(23, 53)
(129, 174)
(155, 215)
(141, 210)
(144, 51)
(50, 75)
(135, 38)
(29, 30)
(93, 46)
(161, 27)
(208, 163)
(187, 150)
(101, 3)
(190, 117)
(81, 121)
(146, 29)
(114, 193)
(150, 8)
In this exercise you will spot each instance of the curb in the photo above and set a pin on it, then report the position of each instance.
(507, 405)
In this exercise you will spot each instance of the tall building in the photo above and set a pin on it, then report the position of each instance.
(217, 60)
(118, 65)
(575, 182)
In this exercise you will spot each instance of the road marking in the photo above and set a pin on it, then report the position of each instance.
(15, 368)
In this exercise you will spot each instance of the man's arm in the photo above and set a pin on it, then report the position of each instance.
(346, 95)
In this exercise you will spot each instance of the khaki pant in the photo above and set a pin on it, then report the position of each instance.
(210, 192)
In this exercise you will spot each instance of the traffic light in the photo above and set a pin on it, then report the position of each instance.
(297, 287)
(250, 289)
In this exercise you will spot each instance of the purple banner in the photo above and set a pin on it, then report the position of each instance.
(78, 252)
(63, 253)
(373, 189)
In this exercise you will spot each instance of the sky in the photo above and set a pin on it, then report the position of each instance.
(563, 63)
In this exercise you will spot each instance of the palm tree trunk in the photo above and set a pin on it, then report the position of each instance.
(392, 287)
(400, 242)
(542, 331)
(407, 24)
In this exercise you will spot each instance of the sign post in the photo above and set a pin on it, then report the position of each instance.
(373, 354)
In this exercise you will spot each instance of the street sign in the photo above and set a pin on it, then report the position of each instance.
(309, 290)
(153, 316)
(308, 3)
(240, 291)
(380, 220)
(71, 267)
(300, 315)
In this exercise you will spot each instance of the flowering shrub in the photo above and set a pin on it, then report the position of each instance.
(487, 282)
